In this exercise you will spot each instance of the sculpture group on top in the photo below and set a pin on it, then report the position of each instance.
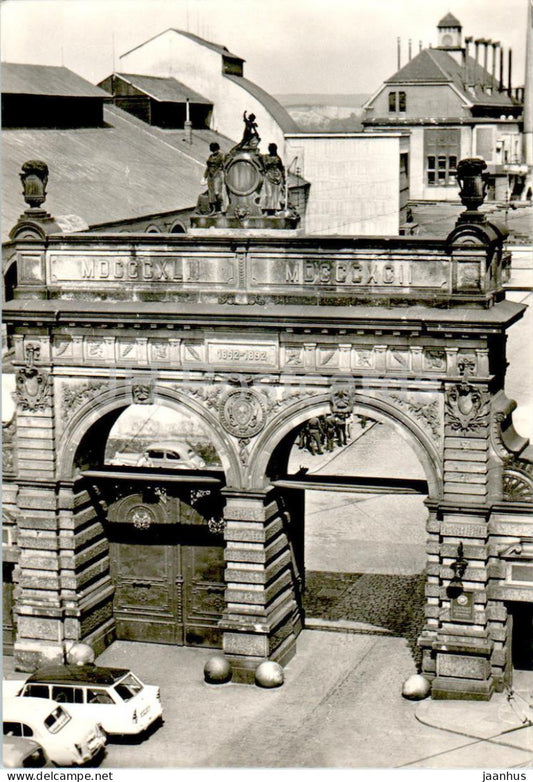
(245, 188)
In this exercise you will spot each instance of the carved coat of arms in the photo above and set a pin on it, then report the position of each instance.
(31, 389)
(242, 413)
(466, 408)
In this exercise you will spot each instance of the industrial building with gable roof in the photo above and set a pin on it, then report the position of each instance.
(454, 107)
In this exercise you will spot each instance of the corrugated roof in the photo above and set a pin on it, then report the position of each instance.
(165, 90)
(50, 80)
(223, 50)
(437, 65)
(109, 174)
(449, 21)
(275, 109)
(106, 174)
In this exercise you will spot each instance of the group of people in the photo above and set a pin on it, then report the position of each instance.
(324, 433)
(272, 196)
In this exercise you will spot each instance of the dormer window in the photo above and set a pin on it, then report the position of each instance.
(397, 102)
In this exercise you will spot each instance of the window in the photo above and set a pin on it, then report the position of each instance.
(173, 456)
(128, 687)
(37, 691)
(63, 694)
(17, 729)
(397, 101)
(441, 148)
(95, 695)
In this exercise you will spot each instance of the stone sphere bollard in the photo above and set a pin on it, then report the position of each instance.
(217, 670)
(81, 654)
(416, 687)
(269, 674)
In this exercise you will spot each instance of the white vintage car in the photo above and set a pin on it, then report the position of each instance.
(66, 739)
(113, 697)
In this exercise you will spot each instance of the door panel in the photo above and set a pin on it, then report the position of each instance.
(203, 567)
(146, 606)
(169, 582)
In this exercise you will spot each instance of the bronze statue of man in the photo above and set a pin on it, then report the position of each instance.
(214, 175)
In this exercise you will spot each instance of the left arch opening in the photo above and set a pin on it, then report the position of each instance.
(148, 501)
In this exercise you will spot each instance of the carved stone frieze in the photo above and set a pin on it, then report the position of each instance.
(76, 395)
(426, 413)
(62, 347)
(9, 430)
(435, 359)
(466, 408)
(466, 364)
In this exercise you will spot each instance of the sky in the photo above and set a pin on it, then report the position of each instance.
(290, 46)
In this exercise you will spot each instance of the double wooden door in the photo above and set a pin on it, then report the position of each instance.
(169, 584)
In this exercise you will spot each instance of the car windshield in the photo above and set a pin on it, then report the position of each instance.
(57, 719)
(128, 687)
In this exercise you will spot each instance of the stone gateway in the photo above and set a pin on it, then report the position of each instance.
(257, 335)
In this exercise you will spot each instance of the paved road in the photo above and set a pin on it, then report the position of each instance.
(340, 706)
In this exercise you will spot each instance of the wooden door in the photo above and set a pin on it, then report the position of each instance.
(203, 570)
(148, 587)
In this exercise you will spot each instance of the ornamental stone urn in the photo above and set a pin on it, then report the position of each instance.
(472, 181)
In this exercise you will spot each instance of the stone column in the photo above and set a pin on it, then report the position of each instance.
(39, 612)
(85, 582)
(462, 646)
(262, 618)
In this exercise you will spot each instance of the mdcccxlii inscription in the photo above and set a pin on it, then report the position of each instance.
(163, 268)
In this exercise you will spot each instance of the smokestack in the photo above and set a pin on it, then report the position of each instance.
(495, 45)
(399, 52)
(527, 137)
(501, 70)
(476, 69)
(486, 43)
(468, 41)
(420, 46)
(509, 72)
(409, 50)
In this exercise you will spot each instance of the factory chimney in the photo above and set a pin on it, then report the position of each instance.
(527, 138)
